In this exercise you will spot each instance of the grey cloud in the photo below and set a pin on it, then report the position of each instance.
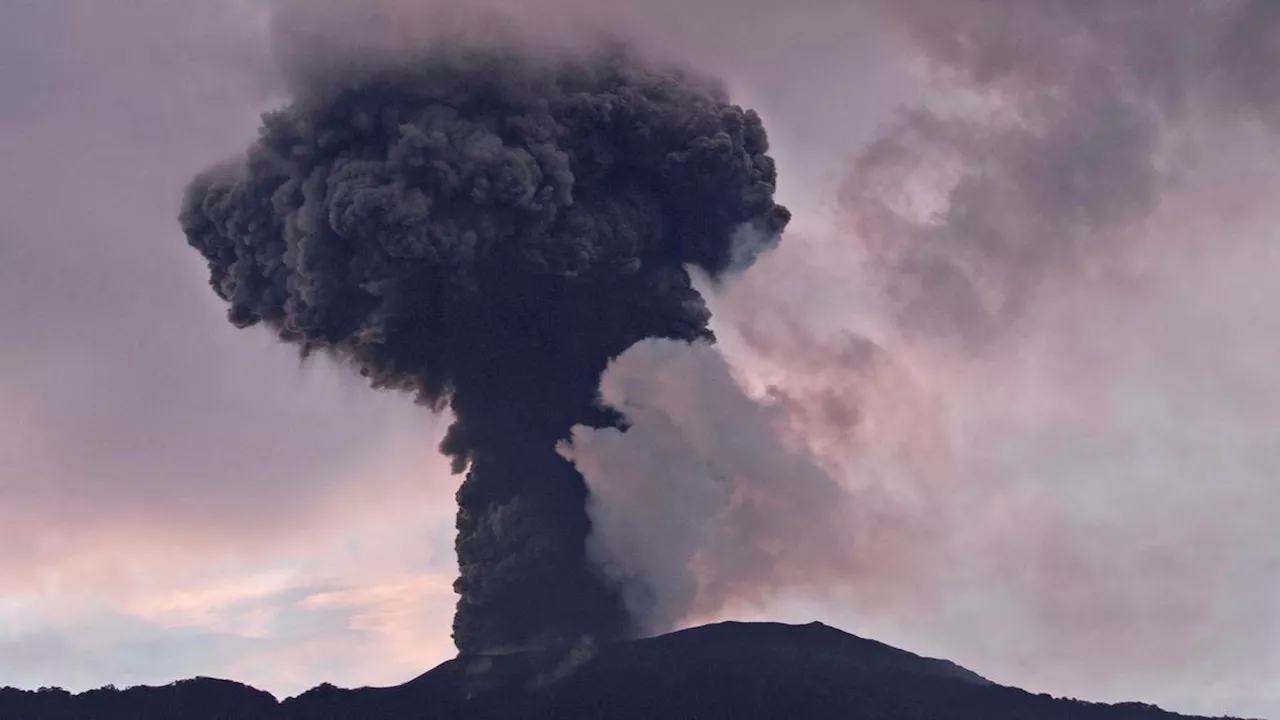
(1068, 158)
(702, 502)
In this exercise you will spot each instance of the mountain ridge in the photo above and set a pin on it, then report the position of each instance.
(730, 669)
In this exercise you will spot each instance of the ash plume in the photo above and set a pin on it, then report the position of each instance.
(486, 227)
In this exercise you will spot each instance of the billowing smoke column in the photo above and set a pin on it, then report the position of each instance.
(487, 230)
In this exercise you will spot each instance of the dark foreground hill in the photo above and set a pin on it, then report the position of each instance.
(736, 671)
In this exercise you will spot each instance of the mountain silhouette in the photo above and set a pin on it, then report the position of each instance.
(738, 671)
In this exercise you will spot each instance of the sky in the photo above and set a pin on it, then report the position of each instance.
(1069, 488)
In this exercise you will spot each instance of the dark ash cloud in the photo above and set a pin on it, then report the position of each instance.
(486, 227)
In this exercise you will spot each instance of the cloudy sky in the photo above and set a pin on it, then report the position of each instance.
(1009, 383)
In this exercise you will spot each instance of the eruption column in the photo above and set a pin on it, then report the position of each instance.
(487, 229)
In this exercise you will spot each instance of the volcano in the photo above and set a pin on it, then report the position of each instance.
(728, 670)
